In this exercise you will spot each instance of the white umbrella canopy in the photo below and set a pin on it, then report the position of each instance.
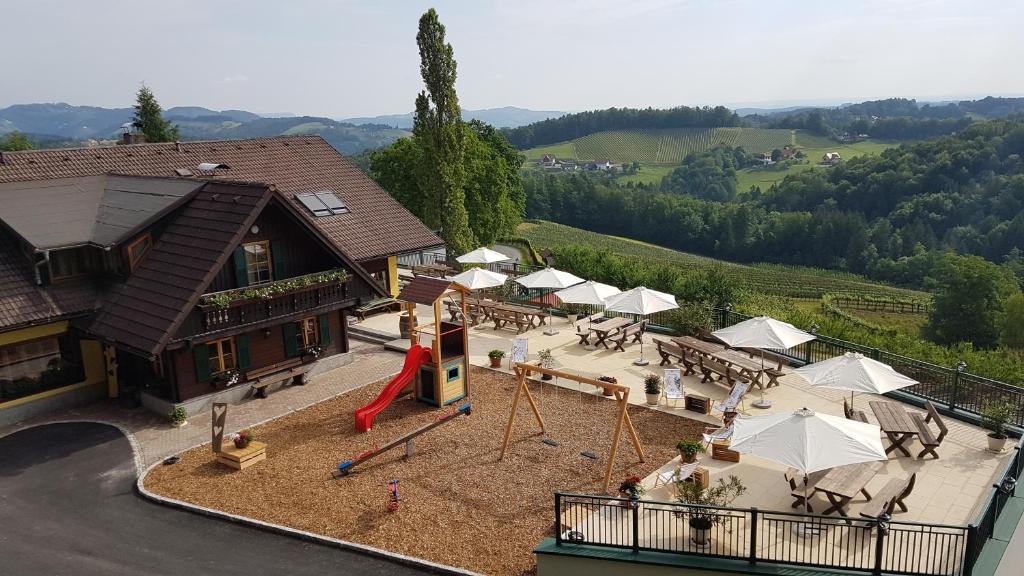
(808, 441)
(854, 372)
(589, 292)
(641, 301)
(549, 278)
(479, 278)
(763, 332)
(482, 255)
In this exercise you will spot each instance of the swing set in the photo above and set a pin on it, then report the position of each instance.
(620, 394)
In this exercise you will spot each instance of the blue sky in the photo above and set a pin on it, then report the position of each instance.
(352, 58)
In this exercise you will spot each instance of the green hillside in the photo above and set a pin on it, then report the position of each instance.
(773, 279)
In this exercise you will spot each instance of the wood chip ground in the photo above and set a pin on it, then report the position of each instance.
(460, 506)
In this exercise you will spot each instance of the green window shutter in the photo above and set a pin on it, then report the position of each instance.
(291, 346)
(201, 359)
(242, 350)
(241, 270)
(279, 254)
(325, 330)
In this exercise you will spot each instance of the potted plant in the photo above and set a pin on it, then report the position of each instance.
(994, 417)
(496, 356)
(703, 515)
(178, 416)
(314, 351)
(610, 379)
(688, 450)
(243, 438)
(546, 361)
(652, 388)
(631, 488)
(227, 378)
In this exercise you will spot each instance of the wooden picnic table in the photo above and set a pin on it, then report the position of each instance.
(748, 367)
(896, 423)
(842, 483)
(531, 314)
(436, 270)
(697, 346)
(603, 330)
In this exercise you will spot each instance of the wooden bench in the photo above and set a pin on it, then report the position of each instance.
(924, 432)
(774, 373)
(378, 305)
(797, 489)
(670, 353)
(892, 495)
(260, 378)
(851, 414)
(504, 319)
(634, 332)
(715, 371)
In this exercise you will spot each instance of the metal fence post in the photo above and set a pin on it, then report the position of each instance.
(958, 369)
(558, 518)
(636, 526)
(753, 535)
(881, 526)
(971, 550)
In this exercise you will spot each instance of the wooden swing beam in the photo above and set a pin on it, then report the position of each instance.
(620, 392)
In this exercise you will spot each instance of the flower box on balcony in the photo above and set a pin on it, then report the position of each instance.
(241, 296)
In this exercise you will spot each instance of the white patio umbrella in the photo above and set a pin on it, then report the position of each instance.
(549, 278)
(854, 372)
(590, 293)
(479, 278)
(808, 441)
(482, 255)
(641, 301)
(763, 333)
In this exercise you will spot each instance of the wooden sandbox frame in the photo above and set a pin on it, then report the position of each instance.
(620, 392)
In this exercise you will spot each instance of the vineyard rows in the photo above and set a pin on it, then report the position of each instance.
(672, 145)
(774, 279)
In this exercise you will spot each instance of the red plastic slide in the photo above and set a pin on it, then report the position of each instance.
(416, 357)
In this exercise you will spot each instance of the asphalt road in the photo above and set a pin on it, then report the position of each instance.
(68, 507)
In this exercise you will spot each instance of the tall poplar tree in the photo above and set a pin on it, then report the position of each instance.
(149, 118)
(437, 127)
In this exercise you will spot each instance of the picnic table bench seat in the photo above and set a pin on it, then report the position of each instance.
(378, 305)
(924, 432)
(507, 319)
(715, 371)
(892, 495)
(670, 353)
(634, 333)
(796, 487)
(260, 378)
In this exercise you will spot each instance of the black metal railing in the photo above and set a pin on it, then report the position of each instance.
(985, 524)
(853, 544)
(953, 388)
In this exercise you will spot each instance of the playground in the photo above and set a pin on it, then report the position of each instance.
(460, 505)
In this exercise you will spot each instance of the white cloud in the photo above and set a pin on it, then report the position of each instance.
(234, 79)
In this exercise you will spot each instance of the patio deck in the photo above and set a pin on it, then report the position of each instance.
(949, 490)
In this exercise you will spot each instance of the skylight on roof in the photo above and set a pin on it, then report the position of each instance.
(322, 203)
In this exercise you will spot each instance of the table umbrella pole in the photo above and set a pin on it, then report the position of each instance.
(641, 361)
(762, 402)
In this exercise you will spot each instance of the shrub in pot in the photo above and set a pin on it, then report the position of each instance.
(243, 438)
(496, 356)
(610, 380)
(631, 488)
(688, 450)
(701, 519)
(994, 417)
(546, 361)
(652, 388)
(178, 416)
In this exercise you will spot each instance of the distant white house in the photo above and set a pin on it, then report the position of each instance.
(831, 158)
(548, 160)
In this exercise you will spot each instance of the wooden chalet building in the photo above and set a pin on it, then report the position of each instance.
(178, 272)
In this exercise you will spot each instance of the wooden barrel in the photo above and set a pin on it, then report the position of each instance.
(406, 324)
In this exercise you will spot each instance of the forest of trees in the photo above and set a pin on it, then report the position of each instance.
(889, 217)
(580, 124)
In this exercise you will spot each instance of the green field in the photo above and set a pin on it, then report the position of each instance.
(775, 279)
(815, 149)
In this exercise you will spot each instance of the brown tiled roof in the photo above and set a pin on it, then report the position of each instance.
(376, 226)
(23, 303)
(144, 312)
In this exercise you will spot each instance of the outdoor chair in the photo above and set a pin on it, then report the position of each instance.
(739, 389)
(929, 441)
(676, 474)
(673, 391)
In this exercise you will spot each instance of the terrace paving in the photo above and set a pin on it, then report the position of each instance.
(949, 490)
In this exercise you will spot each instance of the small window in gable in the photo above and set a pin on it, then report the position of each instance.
(323, 203)
(137, 249)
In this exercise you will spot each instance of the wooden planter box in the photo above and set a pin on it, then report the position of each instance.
(242, 458)
(698, 403)
(720, 451)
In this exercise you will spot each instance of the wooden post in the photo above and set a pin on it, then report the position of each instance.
(521, 387)
(437, 353)
(414, 335)
(465, 342)
(623, 403)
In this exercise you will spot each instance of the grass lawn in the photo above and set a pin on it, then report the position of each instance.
(765, 177)
(560, 150)
(648, 174)
(910, 324)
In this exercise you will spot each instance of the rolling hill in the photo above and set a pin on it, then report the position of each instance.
(506, 117)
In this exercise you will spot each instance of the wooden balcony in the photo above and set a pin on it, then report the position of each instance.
(218, 311)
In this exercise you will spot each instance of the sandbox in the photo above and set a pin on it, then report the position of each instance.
(460, 506)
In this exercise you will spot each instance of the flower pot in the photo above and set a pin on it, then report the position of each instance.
(700, 532)
(495, 361)
(652, 399)
(996, 442)
(687, 458)
(241, 444)
(179, 424)
(572, 318)
(546, 376)
(630, 501)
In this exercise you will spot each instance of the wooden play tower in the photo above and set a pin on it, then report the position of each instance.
(446, 378)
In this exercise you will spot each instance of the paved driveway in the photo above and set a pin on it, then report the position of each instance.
(68, 507)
